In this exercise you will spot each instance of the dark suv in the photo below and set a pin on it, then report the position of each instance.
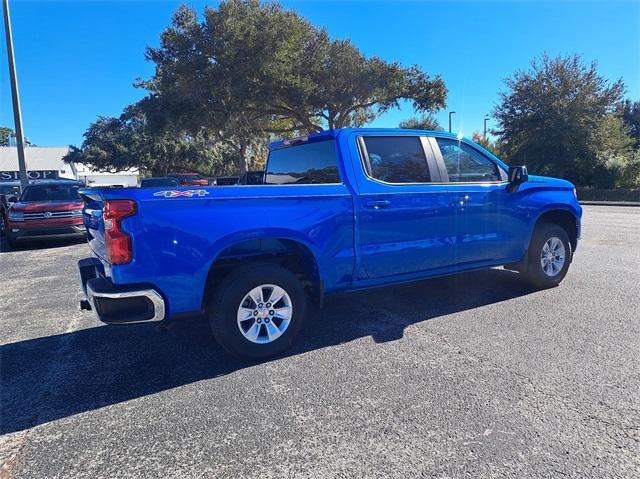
(8, 189)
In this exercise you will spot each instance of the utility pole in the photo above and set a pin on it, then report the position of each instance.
(485, 127)
(15, 96)
(450, 113)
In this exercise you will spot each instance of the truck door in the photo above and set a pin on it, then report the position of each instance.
(404, 218)
(489, 227)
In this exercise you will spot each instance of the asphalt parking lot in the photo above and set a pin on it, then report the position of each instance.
(468, 376)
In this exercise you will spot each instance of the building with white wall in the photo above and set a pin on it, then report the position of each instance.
(91, 177)
(46, 163)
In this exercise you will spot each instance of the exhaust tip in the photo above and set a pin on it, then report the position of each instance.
(85, 305)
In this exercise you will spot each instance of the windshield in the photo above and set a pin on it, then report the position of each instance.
(9, 190)
(51, 193)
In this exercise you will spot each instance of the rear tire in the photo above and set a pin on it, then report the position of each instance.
(257, 329)
(549, 256)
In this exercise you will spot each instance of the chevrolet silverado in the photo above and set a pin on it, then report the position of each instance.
(341, 210)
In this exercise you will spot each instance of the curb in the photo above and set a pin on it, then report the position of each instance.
(610, 203)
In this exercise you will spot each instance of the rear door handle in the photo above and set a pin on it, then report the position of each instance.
(461, 200)
(377, 204)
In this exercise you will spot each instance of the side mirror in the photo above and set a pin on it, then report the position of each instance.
(518, 174)
(12, 199)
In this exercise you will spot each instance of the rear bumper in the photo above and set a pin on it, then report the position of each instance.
(114, 304)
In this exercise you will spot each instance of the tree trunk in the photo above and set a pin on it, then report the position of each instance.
(331, 121)
(160, 169)
(243, 158)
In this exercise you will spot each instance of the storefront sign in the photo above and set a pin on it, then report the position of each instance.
(33, 175)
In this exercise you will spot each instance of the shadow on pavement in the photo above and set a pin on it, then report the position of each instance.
(53, 377)
(39, 244)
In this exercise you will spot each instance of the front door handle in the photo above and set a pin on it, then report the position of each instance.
(377, 204)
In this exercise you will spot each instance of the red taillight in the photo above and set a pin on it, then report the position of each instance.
(117, 241)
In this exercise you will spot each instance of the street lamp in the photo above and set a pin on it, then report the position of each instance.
(485, 127)
(450, 113)
(15, 96)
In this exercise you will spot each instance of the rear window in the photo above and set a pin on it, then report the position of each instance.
(50, 193)
(308, 163)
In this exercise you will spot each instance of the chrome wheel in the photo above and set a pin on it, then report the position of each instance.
(264, 313)
(552, 256)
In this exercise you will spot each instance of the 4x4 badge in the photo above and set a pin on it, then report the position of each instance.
(179, 194)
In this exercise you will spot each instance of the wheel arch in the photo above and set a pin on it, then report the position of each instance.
(290, 252)
(563, 217)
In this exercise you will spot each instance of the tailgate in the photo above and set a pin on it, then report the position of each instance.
(94, 223)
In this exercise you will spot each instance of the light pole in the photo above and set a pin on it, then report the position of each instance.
(450, 113)
(15, 96)
(486, 119)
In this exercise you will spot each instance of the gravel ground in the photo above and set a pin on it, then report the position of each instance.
(468, 376)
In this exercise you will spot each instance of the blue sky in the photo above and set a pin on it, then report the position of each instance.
(77, 60)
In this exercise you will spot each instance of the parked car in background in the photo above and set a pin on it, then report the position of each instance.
(159, 182)
(252, 178)
(46, 209)
(340, 210)
(110, 185)
(8, 190)
(189, 179)
(226, 180)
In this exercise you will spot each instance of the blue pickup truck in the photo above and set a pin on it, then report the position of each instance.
(340, 210)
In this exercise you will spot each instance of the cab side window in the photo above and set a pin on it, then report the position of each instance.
(464, 164)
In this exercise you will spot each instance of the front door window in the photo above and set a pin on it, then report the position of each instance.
(466, 165)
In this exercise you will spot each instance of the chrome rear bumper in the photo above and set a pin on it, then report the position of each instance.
(115, 304)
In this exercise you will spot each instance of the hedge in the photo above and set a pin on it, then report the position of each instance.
(592, 194)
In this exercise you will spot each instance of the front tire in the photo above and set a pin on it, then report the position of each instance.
(13, 243)
(257, 311)
(549, 256)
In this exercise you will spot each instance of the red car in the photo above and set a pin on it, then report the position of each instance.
(46, 209)
(189, 179)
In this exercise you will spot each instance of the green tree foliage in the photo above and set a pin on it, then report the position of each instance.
(630, 113)
(250, 69)
(629, 174)
(618, 163)
(425, 122)
(226, 83)
(113, 144)
(555, 116)
(5, 133)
